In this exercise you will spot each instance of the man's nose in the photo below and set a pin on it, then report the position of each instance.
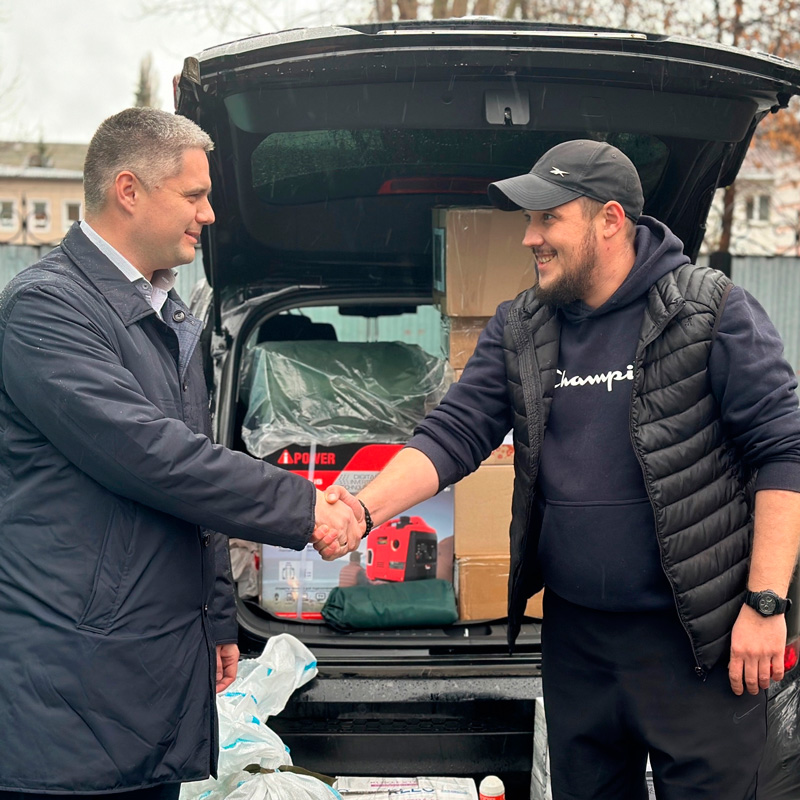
(532, 237)
(205, 214)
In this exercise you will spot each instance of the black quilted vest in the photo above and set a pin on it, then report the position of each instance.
(701, 497)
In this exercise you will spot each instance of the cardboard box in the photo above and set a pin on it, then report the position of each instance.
(414, 546)
(482, 516)
(460, 338)
(482, 511)
(478, 260)
(482, 588)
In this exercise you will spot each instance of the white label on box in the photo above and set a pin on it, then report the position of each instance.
(402, 788)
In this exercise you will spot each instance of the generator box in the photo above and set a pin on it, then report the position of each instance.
(415, 546)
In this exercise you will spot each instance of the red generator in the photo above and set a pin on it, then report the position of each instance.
(402, 549)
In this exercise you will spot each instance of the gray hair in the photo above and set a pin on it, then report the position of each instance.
(147, 141)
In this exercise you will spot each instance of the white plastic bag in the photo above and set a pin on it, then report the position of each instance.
(262, 687)
(284, 786)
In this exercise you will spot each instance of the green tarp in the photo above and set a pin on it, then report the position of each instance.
(412, 604)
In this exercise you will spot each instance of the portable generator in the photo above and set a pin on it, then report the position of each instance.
(402, 549)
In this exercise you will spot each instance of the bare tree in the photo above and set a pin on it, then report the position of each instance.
(236, 18)
(146, 95)
(9, 82)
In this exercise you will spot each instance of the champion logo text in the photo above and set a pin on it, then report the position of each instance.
(603, 378)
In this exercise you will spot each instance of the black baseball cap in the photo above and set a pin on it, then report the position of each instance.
(578, 168)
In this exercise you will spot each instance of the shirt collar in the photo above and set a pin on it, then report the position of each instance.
(156, 290)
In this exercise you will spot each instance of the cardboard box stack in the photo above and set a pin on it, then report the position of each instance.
(481, 519)
(479, 262)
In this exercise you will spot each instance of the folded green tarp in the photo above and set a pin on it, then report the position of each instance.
(391, 605)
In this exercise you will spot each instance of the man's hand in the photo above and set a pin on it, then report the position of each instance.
(339, 523)
(757, 648)
(227, 665)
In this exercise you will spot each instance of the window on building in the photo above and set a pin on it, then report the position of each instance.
(758, 207)
(6, 214)
(40, 215)
(72, 212)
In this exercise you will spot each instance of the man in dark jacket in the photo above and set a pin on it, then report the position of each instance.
(117, 614)
(657, 457)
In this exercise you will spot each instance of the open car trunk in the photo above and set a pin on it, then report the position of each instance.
(334, 146)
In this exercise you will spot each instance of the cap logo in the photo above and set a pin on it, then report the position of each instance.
(559, 172)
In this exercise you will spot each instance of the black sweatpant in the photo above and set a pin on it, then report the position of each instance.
(166, 791)
(621, 686)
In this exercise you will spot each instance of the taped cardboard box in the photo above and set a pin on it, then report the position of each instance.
(482, 509)
(414, 546)
(482, 588)
(478, 260)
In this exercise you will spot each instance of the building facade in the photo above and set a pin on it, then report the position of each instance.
(41, 191)
(766, 210)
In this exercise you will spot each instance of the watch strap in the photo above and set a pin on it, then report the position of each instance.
(782, 604)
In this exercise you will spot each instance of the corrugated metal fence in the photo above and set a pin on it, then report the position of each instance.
(14, 258)
(775, 282)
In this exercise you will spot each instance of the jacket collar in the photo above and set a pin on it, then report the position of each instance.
(122, 295)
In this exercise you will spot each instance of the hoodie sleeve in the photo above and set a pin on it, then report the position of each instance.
(756, 389)
(474, 415)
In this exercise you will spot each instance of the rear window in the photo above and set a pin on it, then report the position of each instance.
(311, 166)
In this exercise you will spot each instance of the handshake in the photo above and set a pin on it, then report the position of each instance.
(339, 523)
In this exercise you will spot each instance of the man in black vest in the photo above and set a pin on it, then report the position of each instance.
(657, 454)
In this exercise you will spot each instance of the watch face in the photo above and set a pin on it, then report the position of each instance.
(767, 604)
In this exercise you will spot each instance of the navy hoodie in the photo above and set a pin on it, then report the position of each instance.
(598, 546)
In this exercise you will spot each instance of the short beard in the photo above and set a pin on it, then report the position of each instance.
(575, 284)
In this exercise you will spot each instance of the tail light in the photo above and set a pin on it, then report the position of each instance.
(791, 655)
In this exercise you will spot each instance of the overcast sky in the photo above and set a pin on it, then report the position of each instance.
(75, 62)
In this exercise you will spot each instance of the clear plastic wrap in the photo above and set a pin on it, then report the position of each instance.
(333, 393)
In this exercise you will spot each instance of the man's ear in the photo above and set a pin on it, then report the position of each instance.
(613, 218)
(127, 190)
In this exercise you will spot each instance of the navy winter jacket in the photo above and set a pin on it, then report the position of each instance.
(112, 596)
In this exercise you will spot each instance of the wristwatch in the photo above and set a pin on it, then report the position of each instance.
(367, 519)
(767, 603)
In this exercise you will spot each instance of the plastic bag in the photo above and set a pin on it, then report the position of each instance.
(331, 393)
(284, 786)
(262, 687)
